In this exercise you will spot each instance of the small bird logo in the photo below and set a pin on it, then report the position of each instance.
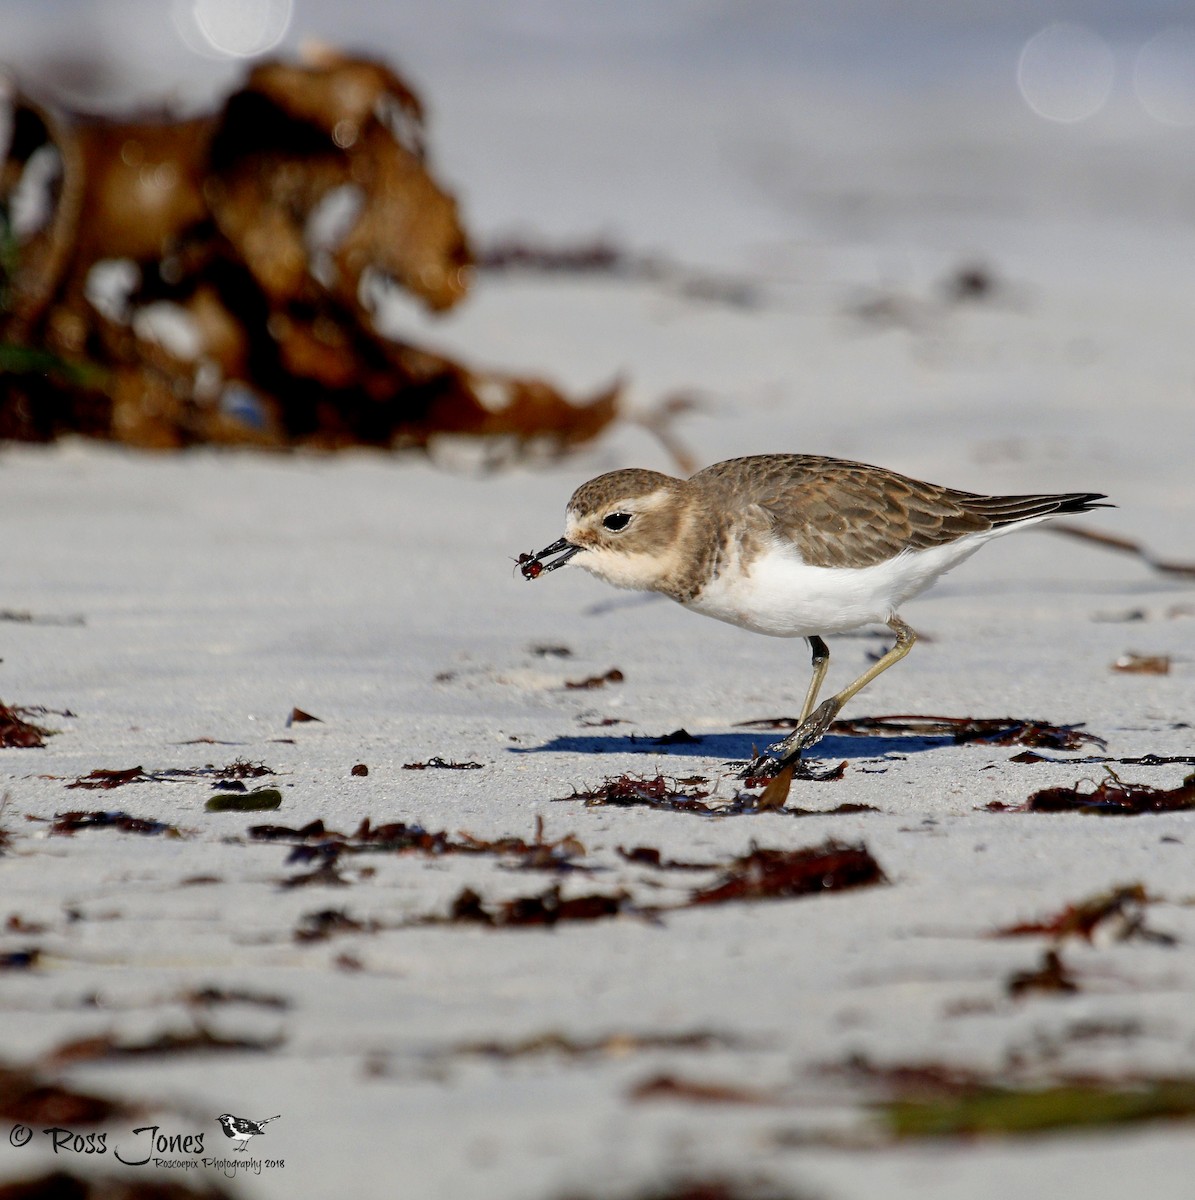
(241, 1128)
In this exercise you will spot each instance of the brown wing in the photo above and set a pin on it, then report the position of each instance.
(849, 514)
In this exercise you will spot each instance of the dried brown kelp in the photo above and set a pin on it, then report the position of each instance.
(215, 278)
(15, 730)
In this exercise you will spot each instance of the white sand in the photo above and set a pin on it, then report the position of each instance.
(217, 591)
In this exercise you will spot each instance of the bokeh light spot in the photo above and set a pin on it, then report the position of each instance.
(1164, 76)
(1065, 72)
(233, 28)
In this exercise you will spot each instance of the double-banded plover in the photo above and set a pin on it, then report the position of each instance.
(791, 545)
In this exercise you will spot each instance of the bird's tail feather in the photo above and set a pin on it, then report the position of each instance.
(1012, 510)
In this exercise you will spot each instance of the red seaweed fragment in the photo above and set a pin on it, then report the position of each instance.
(16, 732)
(1139, 760)
(1126, 905)
(30, 1100)
(691, 1091)
(548, 908)
(1051, 976)
(1131, 663)
(549, 649)
(651, 856)
(114, 777)
(1112, 797)
(762, 874)
(72, 822)
(990, 731)
(617, 1044)
(286, 833)
(211, 996)
(627, 791)
(316, 841)
(319, 926)
(766, 874)
(199, 1040)
(106, 777)
(240, 769)
(613, 675)
(437, 763)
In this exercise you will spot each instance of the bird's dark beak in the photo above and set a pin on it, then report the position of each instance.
(533, 566)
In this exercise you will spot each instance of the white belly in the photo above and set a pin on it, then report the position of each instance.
(780, 595)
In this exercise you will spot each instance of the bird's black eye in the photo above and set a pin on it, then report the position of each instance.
(616, 521)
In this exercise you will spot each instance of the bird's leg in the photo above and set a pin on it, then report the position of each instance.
(821, 660)
(813, 727)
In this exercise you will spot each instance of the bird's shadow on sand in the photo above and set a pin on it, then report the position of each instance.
(738, 746)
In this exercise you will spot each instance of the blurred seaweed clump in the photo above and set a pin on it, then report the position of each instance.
(166, 282)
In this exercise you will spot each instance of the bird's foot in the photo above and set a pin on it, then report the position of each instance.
(787, 753)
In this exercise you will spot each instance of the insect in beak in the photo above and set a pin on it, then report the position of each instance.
(532, 565)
